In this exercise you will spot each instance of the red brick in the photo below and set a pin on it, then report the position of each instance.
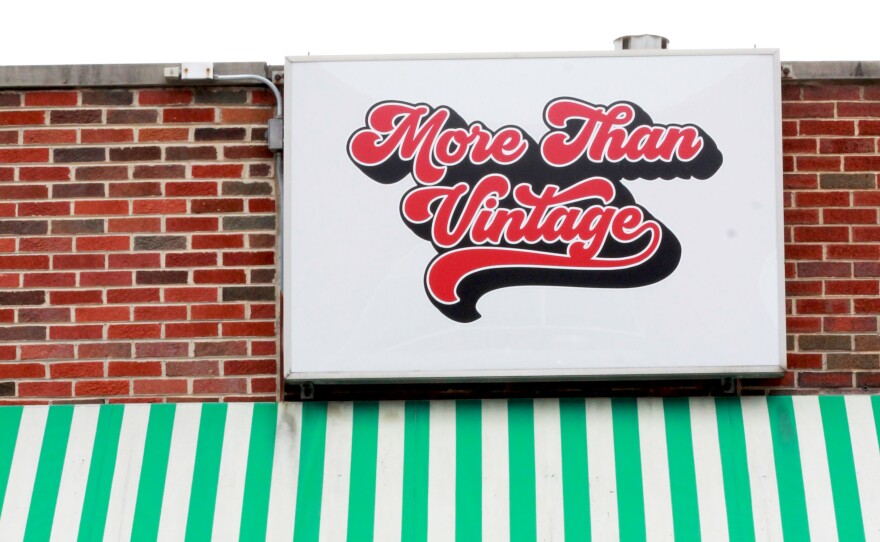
(842, 324)
(9, 280)
(823, 306)
(869, 127)
(162, 350)
(191, 224)
(248, 329)
(7, 244)
(853, 252)
(219, 276)
(861, 163)
(180, 295)
(22, 370)
(107, 135)
(827, 127)
(804, 361)
(866, 234)
(107, 243)
(847, 146)
(134, 331)
(8, 263)
(799, 145)
(46, 173)
(198, 329)
(866, 198)
(203, 206)
(134, 368)
(802, 324)
(192, 368)
(102, 314)
(73, 333)
(818, 163)
(217, 171)
(164, 171)
(263, 348)
(803, 252)
(789, 128)
(245, 115)
(44, 208)
(133, 295)
(101, 207)
(868, 380)
(76, 297)
(241, 259)
(163, 96)
(163, 134)
(220, 348)
(47, 314)
(852, 287)
(858, 109)
(219, 385)
(832, 92)
(218, 312)
(109, 278)
(867, 343)
(260, 240)
(197, 188)
(819, 234)
(159, 387)
(264, 385)
(866, 269)
(22, 118)
(263, 311)
(825, 380)
(45, 244)
(50, 98)
(104, 350)
(101, 173)
(803, 287)
(47, 351)
(77, 369)
(32, 137)
(849, 216)
(250, 367)
(160, 313)
(159, 206)
(261, 205)
(134, 225)
(102, 387)
(807, 110)
(79, 261)
(867, 306)
(45, 389)
(218, 241)
(188, 114)
(244, 152)
(190, 259)
(823, 199)
(135, 261)
(23, 191)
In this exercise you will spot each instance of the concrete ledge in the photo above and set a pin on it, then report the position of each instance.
(838, 70)
(115, 75)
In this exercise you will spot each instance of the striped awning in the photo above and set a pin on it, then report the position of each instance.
(755, 468)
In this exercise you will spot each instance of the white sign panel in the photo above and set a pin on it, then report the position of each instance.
(533, 216)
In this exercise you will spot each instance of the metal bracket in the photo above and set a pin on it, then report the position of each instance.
(787, 71)
(275, 134)
(306, 391)
(196, 70)
(277, 77)
(728, 385)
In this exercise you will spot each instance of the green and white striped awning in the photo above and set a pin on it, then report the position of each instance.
(777, 468)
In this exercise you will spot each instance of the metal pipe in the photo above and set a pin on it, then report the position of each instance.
(279, 109)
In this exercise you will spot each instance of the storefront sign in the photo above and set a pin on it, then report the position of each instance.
(533, 217)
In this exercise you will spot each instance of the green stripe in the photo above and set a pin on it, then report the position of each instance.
(735, 468)
(682, 473)
(628, 463)
(362, 488)
(206, 472)
(311, 472)
(521, 449)
(148, 506)
(842, 467)
(575, 471)
(468, 471)
(101, 469)
(416, 439)
(45, 495)
(875, 404)
(10, 420)
(789, 475)
(258, 477)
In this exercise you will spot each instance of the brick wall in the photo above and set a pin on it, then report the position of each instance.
(137, 245)
(832, 237)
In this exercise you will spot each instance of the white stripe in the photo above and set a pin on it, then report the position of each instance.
(496, 472)
(389, 472)
(285, 472)
(337, 472)
(23, 472)
(866, 454)
(655, 470)
(814, 462)
(603, 475)
(762, 469)
(233, 471)
(550, 518)
(75, 473)
(179, 477)
(707, 467)
(127, 472)
(441, 472)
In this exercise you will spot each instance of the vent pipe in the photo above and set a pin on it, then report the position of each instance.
(644, 41)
